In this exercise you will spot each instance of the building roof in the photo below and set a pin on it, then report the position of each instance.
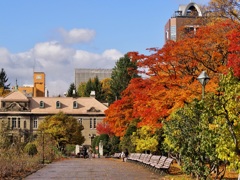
(15, 96)
(53, 105)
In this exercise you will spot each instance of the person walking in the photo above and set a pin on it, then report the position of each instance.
(126, 154)
(122, 156)
(90, 151)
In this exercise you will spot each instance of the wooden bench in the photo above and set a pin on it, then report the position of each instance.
(153, 159)
(142, 157)
(117, 155)
(164, 167)
(137, 156)
(160, 162)
(146, 159)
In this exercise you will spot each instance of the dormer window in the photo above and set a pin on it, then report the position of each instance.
(58, 105)
(75, 105)
(41, 104)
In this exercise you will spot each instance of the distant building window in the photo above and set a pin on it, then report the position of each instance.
(19, 123)
(14, 123)
(41, 104)
(3, 104)
(25, 125)
(173, 34)
(35, 122)
(75, 105)
(94, 123)
(58, 105)
(91, 123)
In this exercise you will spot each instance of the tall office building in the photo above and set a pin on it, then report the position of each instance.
(83, 75)
(187, 18)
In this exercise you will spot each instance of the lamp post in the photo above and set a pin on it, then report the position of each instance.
(203, 79)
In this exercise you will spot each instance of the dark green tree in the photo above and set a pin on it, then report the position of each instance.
(72, 92)
(122, 73)
(3, 79)
(95, 85)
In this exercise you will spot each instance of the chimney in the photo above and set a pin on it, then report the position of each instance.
(92, 94)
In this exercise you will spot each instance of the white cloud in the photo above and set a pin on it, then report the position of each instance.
(75, 36)
(56, 61)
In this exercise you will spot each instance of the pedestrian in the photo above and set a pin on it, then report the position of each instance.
(122, 156)
(126, 154)
(84, 152)
(90, 151)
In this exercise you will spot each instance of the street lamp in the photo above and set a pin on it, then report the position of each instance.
(203, 79)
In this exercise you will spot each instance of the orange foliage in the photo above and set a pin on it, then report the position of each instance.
(172, 77)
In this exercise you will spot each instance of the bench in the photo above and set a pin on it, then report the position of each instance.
(146, 159)
(117, 155)
(142, 157)
(153, 159)
(160, 162)
(164, 165)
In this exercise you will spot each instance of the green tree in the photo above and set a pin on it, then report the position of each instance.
(226, 106)
(72, 92)
(122, 73)
(31, 149)
(190, 135)
(63, 128)
(145, 139)
(3, 79)
(126, 139)
(81, 89)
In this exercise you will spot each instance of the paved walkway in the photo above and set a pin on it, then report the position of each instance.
(95, 169)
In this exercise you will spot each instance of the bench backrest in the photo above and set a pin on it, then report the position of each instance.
(154, 159)
(142, 156)
(167, 163)
(161, 162)
(147, 158)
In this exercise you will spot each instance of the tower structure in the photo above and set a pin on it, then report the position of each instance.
(38, 87)
(39, 84)
(186, 19)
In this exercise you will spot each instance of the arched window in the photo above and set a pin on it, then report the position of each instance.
(58, 105)
(41, 104)
(75, 105)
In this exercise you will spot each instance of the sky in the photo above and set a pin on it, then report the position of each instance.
(58, 36)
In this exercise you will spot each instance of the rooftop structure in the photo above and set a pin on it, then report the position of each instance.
(187, 17)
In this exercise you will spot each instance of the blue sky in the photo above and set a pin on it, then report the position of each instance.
(58, 36)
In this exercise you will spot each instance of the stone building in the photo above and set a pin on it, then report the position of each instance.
(23, 114)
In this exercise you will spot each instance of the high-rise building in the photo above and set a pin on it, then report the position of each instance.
(83, 75)
(186, 19)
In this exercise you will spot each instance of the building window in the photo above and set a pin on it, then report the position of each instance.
(14, 123)
(94, 123)
(173, 34)
(19, 123)
(91, 123)
(35, 123)
(58, 105)
(75, 105)
(25, 125)
(41, 104)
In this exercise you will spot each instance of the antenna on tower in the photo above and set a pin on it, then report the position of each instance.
(34, 62)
